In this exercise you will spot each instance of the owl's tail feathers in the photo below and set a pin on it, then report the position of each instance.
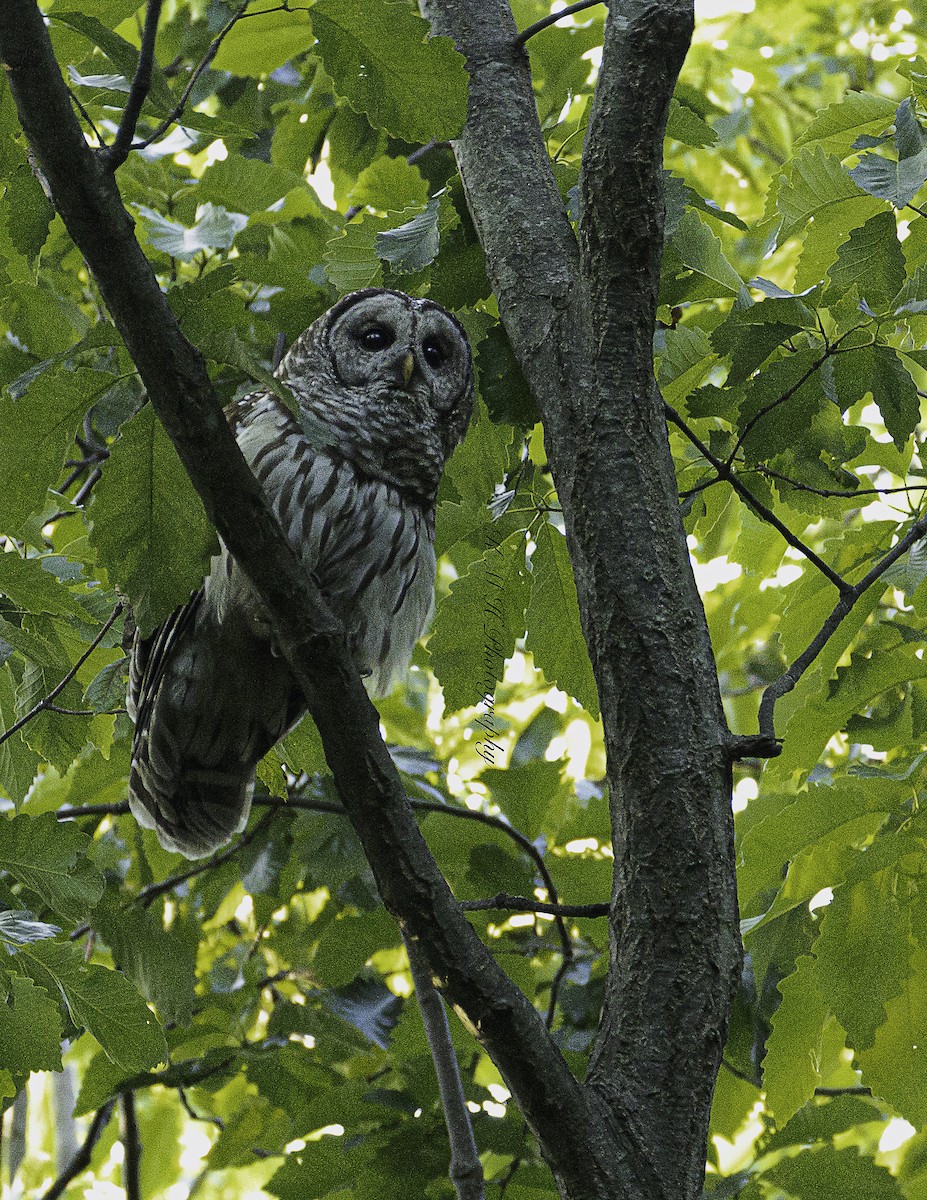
(209, 701)
(194, 811)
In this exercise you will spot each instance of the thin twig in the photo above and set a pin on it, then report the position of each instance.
(131, 1145)
(204, 62)
(546, 22)
(116, 154)
(726, 471)
(787, 394)
(46, 702)
(86, 115)
(784, 684)
(194, 1115)
(526, 904)
(153, 890)
(177, 111)
(81, 1160)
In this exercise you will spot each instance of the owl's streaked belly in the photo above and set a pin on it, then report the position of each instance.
(368, 547)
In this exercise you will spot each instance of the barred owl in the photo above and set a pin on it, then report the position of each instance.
(384, 385)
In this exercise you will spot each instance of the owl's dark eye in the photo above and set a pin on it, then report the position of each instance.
(377, 337)
(434, 351)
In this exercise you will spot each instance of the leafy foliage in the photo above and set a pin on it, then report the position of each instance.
(258, 1004)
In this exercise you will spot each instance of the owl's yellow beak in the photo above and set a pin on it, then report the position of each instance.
(408, 366)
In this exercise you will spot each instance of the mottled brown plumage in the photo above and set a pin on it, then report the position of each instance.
(384, 385)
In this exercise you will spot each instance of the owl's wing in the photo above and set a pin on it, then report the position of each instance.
(210, 699)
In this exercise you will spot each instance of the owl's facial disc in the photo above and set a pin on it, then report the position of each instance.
(411, 345)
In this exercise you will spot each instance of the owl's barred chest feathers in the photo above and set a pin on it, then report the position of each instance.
(368, 545)
(384, 388)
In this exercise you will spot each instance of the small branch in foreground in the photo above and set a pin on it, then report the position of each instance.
(47, 701)
(81, 1160)
(784, 684)
(132, 1147)
(726, 471)
(546, 22)
(466, 1170)
(153, 890)
(116, 154)
(526, 904)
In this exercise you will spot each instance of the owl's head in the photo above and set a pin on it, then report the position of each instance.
(392, 377)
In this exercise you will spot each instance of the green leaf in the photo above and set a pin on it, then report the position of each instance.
(348, 943)
(351, 260)
(826, 1173)
(481, 460)
(796, 824)
(688, 358)
(838, 125)
(898, 182)
(501, 383)
(390, 185)
(214, 228)
(122, 54)
(149, 527)
(382, 61)
(29, 212)
(48, 857)
(555, 638)
(160, 962)
(33, 589)
(30, 1029)
(37, 432)
(100, 1001)
(791, 1067)
(862, 955)
(895, 392)
(871, 259)
(820, 715)
(264, 42)
(701, 252)
(247, 185)
(815, 182)
(478, 623)
(781, 402)
(414, 244)
(895, 1064)
(687, 126)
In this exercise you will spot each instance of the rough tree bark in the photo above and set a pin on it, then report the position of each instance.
(580, 314)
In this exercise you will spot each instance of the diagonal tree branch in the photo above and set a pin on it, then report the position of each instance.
(175, 376)
(726, 472)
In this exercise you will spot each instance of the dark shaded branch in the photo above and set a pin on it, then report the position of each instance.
(81, 1160)
(503, 900)
(725, 471)
(47, 701)
(132, 1147)
(116, 154)
(789, 678)
(466, 1170)
(546, 22)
